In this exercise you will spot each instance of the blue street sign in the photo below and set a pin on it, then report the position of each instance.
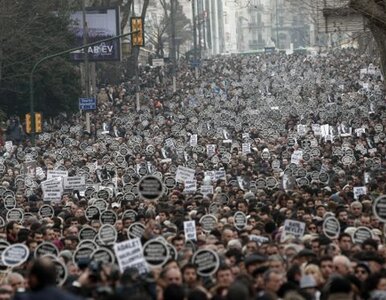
(195, 63)
(87, 103)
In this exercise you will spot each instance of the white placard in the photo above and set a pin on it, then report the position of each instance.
(316, 129)
(246, 148)
(359, 190)
(359, 131)
(210, 150)
(74, 183)
(129, 255)
(190, 230)
(52, 189)
(193, 140)
(206, 189)
(190, 186)
(294, 228)
(183, 174)
(302, 129)
(325, 130)
(40, 174)
(296, 156)
(158, 62)
(8, 146)
(220, 174)
(56, 173)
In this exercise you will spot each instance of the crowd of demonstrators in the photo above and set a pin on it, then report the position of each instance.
(278, 160)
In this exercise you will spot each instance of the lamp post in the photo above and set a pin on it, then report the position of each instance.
(31, 75)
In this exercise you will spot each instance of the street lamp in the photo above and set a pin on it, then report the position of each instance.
(31, 75)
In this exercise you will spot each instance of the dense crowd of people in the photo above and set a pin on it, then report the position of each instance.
(278, 162)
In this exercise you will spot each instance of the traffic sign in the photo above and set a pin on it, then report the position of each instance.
(87, 103)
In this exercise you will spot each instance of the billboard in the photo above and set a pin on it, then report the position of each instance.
(102, 24)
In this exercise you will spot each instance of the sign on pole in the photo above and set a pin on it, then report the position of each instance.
(87, 104)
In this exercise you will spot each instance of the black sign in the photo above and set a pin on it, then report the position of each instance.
(129, 197)
(156, 253)
(170, 182)
(82, 254)
(150, 188)
(135, 230)
(361, 234)
(87, 233)
(92, 213)
(15, 214)
(15, 255)
(129, 214)
(108, 217)
(208, 222)
(61, 272)
(103, 255)
(240, 220)
(46, 211)
(46, 248)
(207, 262)
(9, 202)
(379, 208)
(331, 227)
(107, 234)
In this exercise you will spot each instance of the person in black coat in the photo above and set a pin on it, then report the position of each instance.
(42, 282)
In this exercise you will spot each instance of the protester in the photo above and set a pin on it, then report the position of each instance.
(262, 178)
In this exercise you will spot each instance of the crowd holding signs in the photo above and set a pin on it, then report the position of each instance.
(264, 178)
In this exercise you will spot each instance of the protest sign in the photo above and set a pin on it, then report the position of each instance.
(361, 234)
(46, 248)
(52, 189)
(15, 214)
(51, 174)
(82, 254)
(358, 191)
(150, 188)
(46, 211)
(92, 212)
(331, 227)
(379, 208)
(136, 230)
(130, 255)
(103, 255)
(87, 233)
(293, 228)
(193, 140)
(108, 217)
(190, 230)
(240, 220)
(15, 255)
(208, 222)
(206, 189)
(155, 252)
(74, 183)
(107, 234)
(184, 174)
(207, 262)
(190, 186)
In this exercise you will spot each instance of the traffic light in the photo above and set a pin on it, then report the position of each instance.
(28, 125)
(138, 38)
(38, 123)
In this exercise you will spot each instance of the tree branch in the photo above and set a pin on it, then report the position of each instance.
(370, 9)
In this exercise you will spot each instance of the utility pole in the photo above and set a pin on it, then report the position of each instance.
(173, 4)
(194, 37)
(135, 51)
(277, 26)
(86, 63)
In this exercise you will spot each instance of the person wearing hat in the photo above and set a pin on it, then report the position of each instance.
(309, 286)
(254, 261)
